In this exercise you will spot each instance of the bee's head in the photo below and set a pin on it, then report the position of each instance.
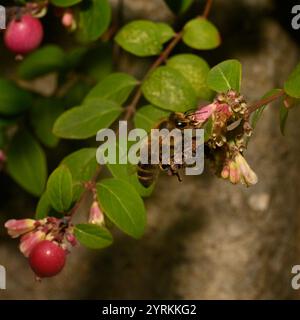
(179, 119)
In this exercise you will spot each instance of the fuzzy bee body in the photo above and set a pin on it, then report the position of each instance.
(147, 173)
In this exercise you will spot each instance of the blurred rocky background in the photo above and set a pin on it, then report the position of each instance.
(206, 239)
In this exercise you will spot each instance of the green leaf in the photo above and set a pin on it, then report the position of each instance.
(116, 87)
(94, 19)
(256, 115)
(59, 189)
(166, 33)
(13, 100)
(179, 6)
(65, 3)
(123, 206)
(27, 163)
(201, 34)
(225, 76)
(141, 190)
(42, 61)
(127, 172)
(43, 207)
(141, 38)
(292, 85)
(83, 165)
(283, 115)
(93, 236)
(168, 89)
(43, 115)
(148, 117)
(85, 121)
(195, 70)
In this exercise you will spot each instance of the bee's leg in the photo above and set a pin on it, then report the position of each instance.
(178, 176)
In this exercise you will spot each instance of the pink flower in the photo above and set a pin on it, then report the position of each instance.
(238, 170)
(96, 215)
(203, 113)
(30, 240)
(71, 239)
(224, 109)
(19, 227)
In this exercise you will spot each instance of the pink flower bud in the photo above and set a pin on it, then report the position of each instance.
(2, 156)
(234, 175)
(16, 228)
(224, 109)
(225, 172)
(67, 19)
(96, 215)
(248, 176)
(71, 239)
(30, 240)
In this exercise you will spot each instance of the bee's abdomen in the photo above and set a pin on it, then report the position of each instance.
(146, 174)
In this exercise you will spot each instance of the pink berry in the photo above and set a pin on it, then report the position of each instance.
(47, 259)
(24, 35)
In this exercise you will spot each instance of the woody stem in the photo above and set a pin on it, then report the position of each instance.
(255, 106)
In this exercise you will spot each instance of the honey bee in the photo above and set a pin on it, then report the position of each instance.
(148, 173)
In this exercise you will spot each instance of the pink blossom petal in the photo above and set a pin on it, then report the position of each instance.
(19, 227)
(248, 175)
(234, 176)
(30, 240)
(203, 113)
(224, 109)
(225, 172)
(96, 215)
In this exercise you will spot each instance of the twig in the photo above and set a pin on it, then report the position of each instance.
(207, 8)
(265, 101)
(130, 110)
(86, 192)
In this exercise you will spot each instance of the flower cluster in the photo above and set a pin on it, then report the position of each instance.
(230, 130)
(33, 232)
(45, 242)
(238, 170)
